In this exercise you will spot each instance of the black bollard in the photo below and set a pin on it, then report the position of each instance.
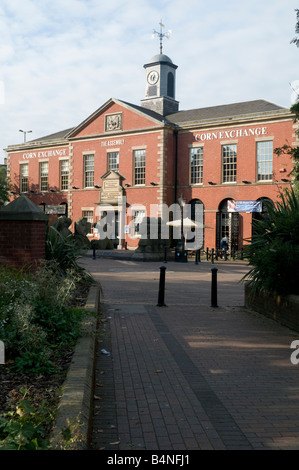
(214, 288)
(212, 256)
(93, 253)
(161, 287)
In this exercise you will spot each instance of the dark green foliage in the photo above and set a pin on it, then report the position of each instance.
(5, 187)
(295, 40)
(64, 250)
(23, 427)
(273, 250)
(293, 152)
(36, 317)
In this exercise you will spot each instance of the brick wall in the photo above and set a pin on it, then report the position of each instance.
(22, 242)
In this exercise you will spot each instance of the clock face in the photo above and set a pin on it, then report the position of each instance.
(153, 77)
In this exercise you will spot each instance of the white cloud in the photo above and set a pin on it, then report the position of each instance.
(62, 59)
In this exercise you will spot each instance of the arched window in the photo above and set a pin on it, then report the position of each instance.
(227, 226)
(170, 84)
(264, 214)
(195, 240)
(66, 208)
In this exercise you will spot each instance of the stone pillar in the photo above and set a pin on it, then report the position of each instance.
(22, 234)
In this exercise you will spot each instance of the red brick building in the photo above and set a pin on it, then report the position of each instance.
(138, 160)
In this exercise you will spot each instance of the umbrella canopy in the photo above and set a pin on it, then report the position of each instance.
(187, 223)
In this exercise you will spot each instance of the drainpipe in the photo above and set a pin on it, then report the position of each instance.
(176, 165)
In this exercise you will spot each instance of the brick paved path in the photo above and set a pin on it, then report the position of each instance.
(188, 376)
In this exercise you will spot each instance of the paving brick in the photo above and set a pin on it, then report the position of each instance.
(193, 376)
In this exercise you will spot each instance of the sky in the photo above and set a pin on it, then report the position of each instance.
(61, 60)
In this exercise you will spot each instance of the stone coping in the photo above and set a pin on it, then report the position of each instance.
(75, 407)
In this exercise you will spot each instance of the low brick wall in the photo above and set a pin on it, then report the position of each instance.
(284, 310)
(22, 242)
(22, 234)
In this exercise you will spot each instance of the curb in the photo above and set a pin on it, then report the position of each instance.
(75, 407)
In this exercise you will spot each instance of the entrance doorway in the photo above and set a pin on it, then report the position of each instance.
(227, 225)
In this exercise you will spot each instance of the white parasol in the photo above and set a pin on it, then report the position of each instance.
(187, 223)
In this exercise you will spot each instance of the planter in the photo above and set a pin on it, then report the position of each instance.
(284, 310)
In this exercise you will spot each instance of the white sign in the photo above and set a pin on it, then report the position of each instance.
(231, 134)
(108, 143)
(45, 154)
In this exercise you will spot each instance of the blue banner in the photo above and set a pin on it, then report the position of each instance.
(244, 206)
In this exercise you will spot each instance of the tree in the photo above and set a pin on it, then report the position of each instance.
(287, 149)
(4, 187)
(296, 39)
(293, 152)
(273, 251)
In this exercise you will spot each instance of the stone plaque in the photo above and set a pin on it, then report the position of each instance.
(111, 189)
(113, 122)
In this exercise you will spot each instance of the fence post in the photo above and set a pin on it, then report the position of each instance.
(161, 287)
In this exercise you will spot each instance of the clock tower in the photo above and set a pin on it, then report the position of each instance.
(160, 83)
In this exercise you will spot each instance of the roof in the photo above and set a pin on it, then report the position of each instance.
(148, 112)
(212, 113)
(160, 58)
(56, 136)
(244, 109)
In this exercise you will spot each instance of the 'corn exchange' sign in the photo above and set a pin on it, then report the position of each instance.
(231, 134)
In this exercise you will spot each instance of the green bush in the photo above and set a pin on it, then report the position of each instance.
(273, 250)
(23, 427)
(63, 249)
(36, 317)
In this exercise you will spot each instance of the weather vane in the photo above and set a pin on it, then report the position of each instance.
(161, 35)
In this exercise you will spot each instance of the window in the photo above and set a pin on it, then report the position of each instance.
(88, 171)
(88, 215)
(43, 176)
(113, 161)
(229, 163)
(264, 151)
(64, 175)
(138, 216)
(139, 167)
(24, 173)
(196, 165)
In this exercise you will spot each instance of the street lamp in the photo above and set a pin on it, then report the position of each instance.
(24, 132)
(181, 244)
(182, 202)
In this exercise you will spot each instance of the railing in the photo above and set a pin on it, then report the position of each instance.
(212, 254)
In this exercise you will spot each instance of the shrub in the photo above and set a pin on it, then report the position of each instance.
(36, 317)
(273, 250)
(63, 249)
(23, 428)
